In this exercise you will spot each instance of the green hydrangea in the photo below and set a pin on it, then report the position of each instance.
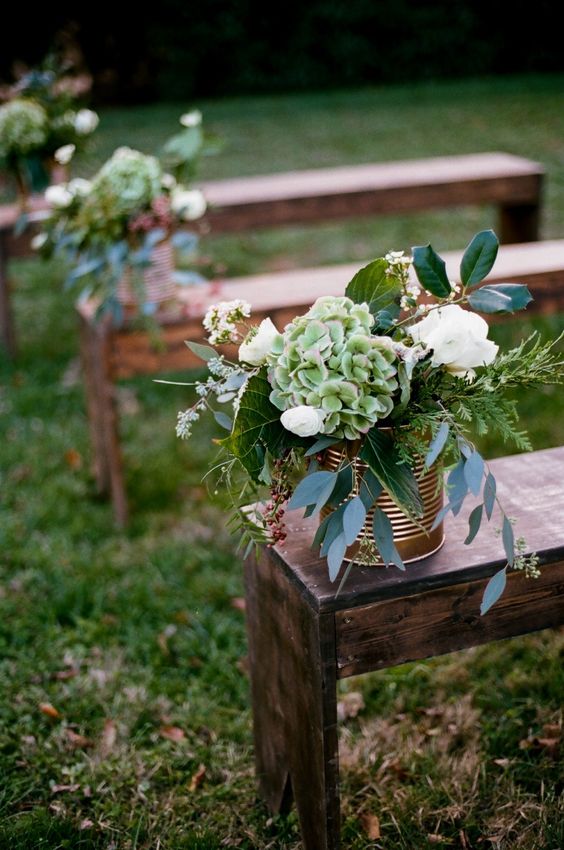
(130, 180)
(329, 360)
(23, 127)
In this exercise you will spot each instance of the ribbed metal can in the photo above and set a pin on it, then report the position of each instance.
(414, 540)
(158, 281)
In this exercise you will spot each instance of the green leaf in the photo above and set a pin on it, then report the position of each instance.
(489, 495)
(474, 522)
(441, 515)
(223, 420)
(457, 487)
(373, 285)
(370, 489)
(474, 472)
(321, 444)
(431, 271)
(479, 257)
(508, 539)
(204, 352)
(493, 591)
(354, 516)
(380, 453)
(384, 537)
(333, 530)
(437, 444)
(314, 489)
(335, 556)
(344, 485)
(500, 298)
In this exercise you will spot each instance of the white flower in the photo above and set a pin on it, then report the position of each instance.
(79, 186)
(190, 204)
(58, 196)
(168, 181)
(258, 343)
(221, 320)
(458, 339)
(38, 241)
(64, 154)
(191, 119)
(303, 420)
(85, 122)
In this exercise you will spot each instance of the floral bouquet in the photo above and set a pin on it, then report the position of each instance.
(116, 230)
(42, 125)
(353, 410)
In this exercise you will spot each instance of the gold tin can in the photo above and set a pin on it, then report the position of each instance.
(414, 540)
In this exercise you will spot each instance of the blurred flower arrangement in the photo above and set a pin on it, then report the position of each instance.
(117, 230)
(353, 410)
(42, 124)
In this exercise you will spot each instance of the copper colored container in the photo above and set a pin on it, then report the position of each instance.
(413, 540)
(158, 282)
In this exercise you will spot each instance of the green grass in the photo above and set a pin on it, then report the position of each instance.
(126, 634)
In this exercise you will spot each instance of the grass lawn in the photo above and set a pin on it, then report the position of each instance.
(124, 704)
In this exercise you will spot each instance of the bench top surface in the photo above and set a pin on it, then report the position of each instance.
(530, 489)
(369, 177)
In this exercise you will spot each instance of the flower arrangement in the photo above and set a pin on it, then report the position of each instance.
(42, 125)
(352, 406)
(111, 228)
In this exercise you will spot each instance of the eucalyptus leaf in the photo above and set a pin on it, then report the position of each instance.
(508, 539)
(370, 489)
(437, 444)
(474, 522)
(431, 271)
(490, 488)
(223, 420)
(493, 591)
(441, 515)
(333, 529)
(335, 556)
(321, 444)
(204, 352)
(500, 298)
(354, 517)
(344, 485)
(381, 454)
(384, 537)
(312, 488)
(479, 257)
(457, 487)
(474, 472)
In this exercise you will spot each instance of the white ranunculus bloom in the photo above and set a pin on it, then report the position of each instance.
(64, 154)
(458, 339)
(190, 204)
(79, 186)
(38, 241)
(85, 122)
(191, 119)
(258, 343)
(58, 196)
(303, 420)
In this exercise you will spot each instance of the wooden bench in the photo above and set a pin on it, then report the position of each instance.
(302, 640)
(109, 354)
(512, 183)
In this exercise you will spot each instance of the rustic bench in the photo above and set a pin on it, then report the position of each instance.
(111, 354)
(302, 639)
(512, 183)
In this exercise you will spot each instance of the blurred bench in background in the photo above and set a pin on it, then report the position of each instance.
(110, 354)
(512, 183)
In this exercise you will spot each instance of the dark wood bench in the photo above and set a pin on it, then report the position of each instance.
(512, 183)
(109, 355)
(302, 640)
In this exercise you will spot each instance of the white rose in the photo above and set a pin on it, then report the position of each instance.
(58, 196)
(458, 339)
(303, 420)
(85, 122)
(79, 186)
(188, 203)
(258, 344)
(38, 241)
(64, 154)
(191, 119)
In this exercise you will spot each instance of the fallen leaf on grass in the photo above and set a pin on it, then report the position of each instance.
(502, 762)
(108, 740)
(551, 745)
(435, 838)
(68, 673)
(73, 459)
(63, 789)
(172, 733)
(349, 705)
(197, 778)
(77, 741)
(371, 826)
(86, 824)
(49, 710)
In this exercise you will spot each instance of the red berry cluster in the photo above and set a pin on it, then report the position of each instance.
(159, 216)
(280, 492)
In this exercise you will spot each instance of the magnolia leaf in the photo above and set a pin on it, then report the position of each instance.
(314, 489)
(204, 352)
(474, 522)
(474, 472)
(493, 591)
(489, 495)
(354, 516)
(373, 285)
(508, 539)
(335, 556)
(437, 444)
(381, 454)
(479, 257)
(500, 298)
(384, 537)
(431, 271)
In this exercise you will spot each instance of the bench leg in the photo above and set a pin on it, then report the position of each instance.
(293, 683)
(102, 415)
(519, 223)
(7, 335)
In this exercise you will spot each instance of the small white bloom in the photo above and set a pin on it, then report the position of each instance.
(258, 343)
(64, 154)
(303, 420)
(190, 204)
(191, 119)
(85, 122)
(458, 339)
(79, 186)
(58, 196)
(38, 241)
(221, 320)
(168, 181)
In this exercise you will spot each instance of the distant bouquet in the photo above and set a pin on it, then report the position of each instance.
(116, 229)
(354, 409)
(42, 125)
